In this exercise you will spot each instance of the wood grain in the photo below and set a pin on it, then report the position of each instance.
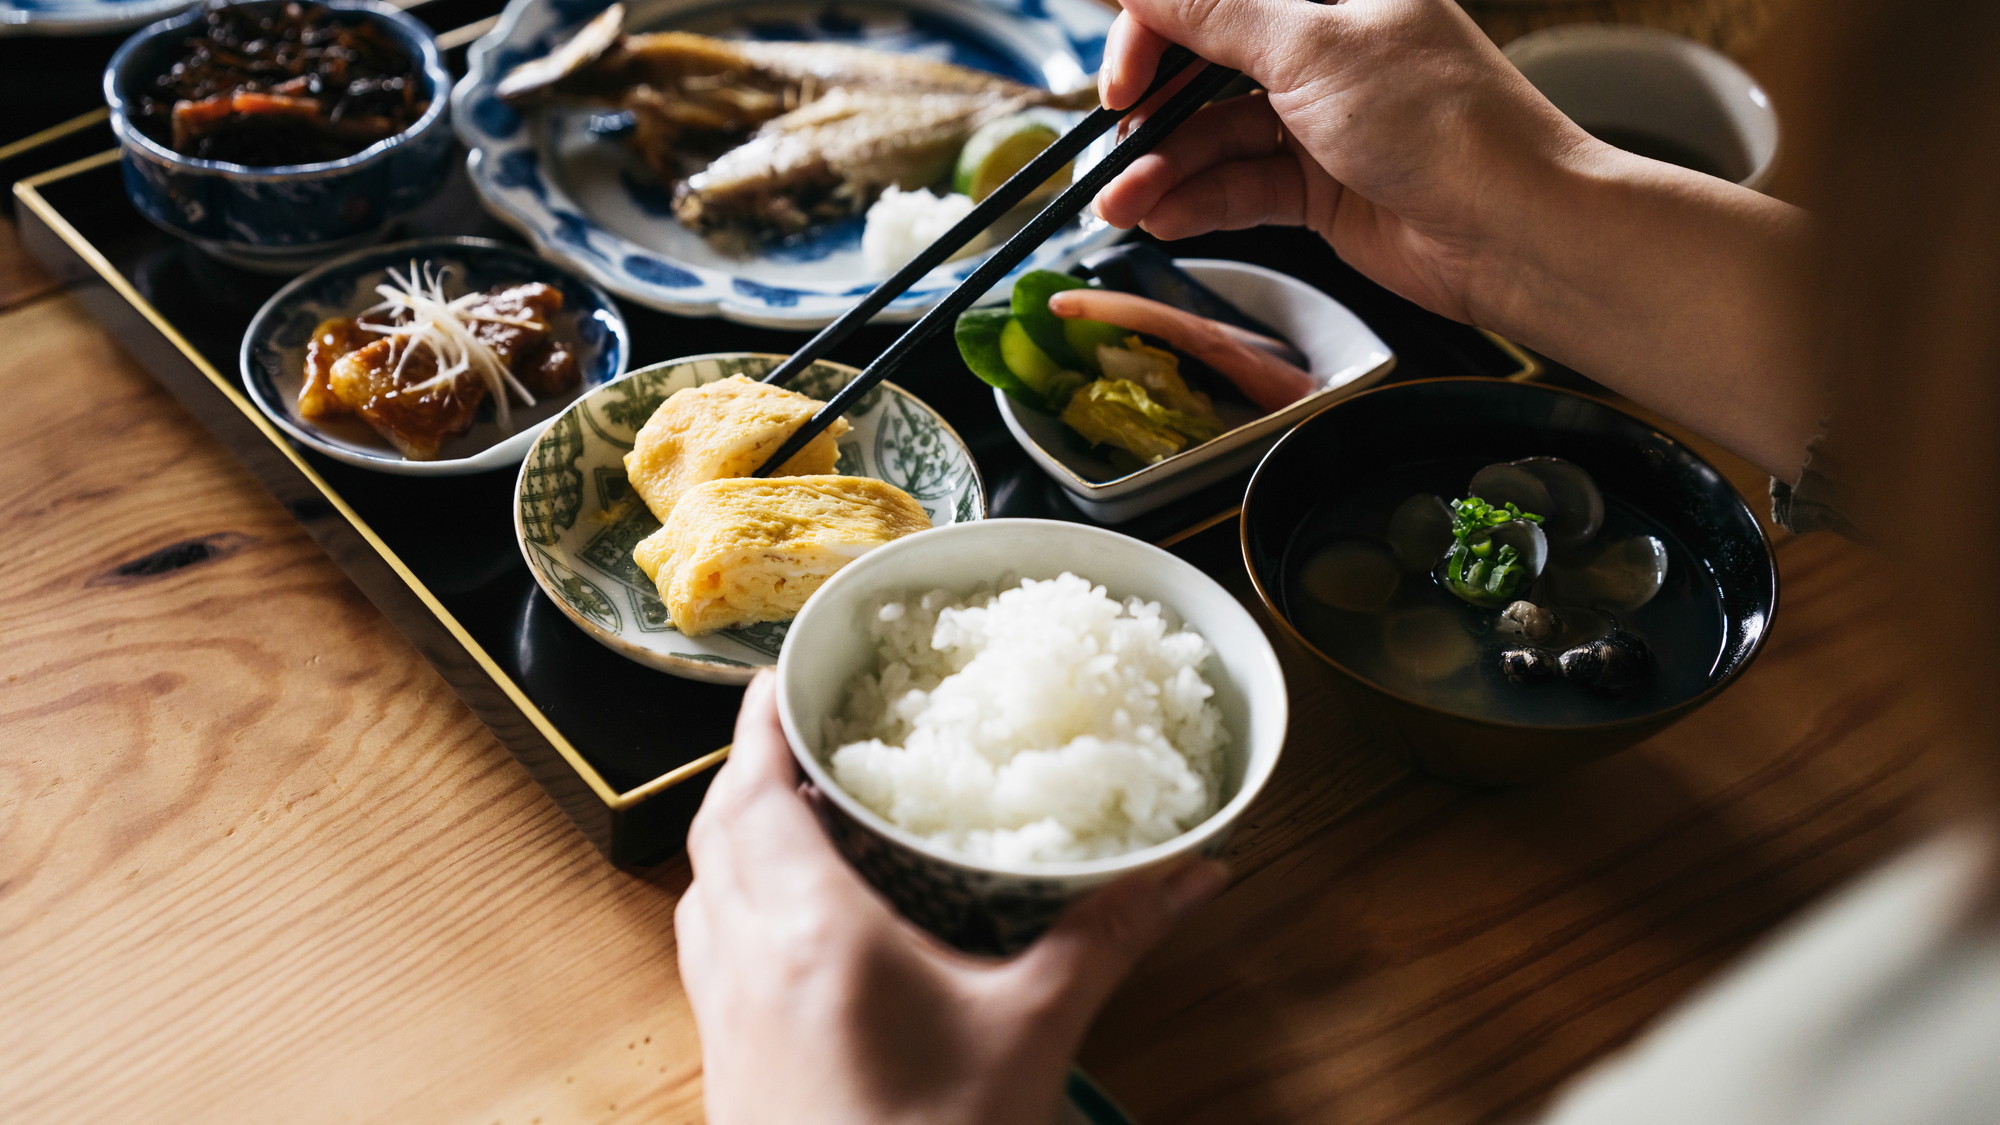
(256, 861)
(21, 280)
(1441, 954)
(258, 864)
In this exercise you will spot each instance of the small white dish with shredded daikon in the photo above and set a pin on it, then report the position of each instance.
(429, 281)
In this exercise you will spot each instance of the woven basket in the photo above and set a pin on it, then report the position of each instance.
(1728, 25)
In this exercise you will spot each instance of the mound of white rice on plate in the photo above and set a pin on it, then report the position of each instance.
(901, 223)
(1046, 722)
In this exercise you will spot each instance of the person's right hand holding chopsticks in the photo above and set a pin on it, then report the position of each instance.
(1393, 128)
(1399, 133)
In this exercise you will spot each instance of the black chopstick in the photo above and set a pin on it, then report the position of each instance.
(1062, 209)
(989, 211)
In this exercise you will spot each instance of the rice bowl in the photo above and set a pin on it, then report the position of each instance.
(999, 900)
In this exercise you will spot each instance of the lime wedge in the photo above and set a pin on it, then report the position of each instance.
(998, 149)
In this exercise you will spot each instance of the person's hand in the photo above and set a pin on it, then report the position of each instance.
(1401, 134)
(817, 1003)
(1393, 128)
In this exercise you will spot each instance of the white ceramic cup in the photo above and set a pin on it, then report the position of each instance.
(990, 907)
(1626, 84)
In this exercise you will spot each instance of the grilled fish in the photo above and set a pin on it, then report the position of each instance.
(771, 137)
(830, 159)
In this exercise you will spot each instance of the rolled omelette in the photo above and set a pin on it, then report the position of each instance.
(723, 429)
(744, 549)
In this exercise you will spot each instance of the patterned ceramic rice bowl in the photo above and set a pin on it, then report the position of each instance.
(578, 518)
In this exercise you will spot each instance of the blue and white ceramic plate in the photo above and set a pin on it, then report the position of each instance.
(274, 349)
(82, 17)
(584, 199)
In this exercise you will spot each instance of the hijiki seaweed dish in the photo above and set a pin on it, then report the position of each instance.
(1523, 594)
(271, 86)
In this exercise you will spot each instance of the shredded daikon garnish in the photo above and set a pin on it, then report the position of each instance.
(444, 325)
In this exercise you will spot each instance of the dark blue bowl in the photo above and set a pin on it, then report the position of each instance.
(280, 219)
(1497, 420)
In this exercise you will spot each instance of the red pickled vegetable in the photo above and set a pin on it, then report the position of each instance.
(1238, 355)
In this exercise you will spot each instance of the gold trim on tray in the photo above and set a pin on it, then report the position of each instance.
(1531, 366)
(32, 184)
(29, 193)
(55, 132)
(1189, 532)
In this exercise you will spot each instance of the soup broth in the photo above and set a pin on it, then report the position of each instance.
(1429, 646)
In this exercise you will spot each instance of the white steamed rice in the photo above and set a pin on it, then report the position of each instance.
(1046, 722)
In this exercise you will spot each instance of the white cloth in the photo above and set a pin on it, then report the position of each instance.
(1880, 1007)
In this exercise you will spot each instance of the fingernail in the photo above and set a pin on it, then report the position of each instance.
(1097, 208)
(1194, 885)
(1107, 74)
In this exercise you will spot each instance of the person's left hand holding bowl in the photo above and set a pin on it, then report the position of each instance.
(817, 1002)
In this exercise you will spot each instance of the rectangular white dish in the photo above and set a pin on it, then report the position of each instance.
(1346, 357)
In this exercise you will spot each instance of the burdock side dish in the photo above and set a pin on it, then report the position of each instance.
(263, 87)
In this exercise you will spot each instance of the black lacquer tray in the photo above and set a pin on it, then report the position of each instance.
(439, 556)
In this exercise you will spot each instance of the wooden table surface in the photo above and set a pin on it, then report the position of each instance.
(257, 863)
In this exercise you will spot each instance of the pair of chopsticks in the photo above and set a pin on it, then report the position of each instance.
(1066, 206)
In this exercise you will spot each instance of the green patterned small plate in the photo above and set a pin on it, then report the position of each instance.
(578, 519)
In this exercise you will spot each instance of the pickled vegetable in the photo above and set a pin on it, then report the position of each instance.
(1119, 413)
(1030, 306)
(1160, 373)
(1048, 379)
(977, 334)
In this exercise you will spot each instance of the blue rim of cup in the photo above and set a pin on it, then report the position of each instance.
(414, 33)
(87, 17)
